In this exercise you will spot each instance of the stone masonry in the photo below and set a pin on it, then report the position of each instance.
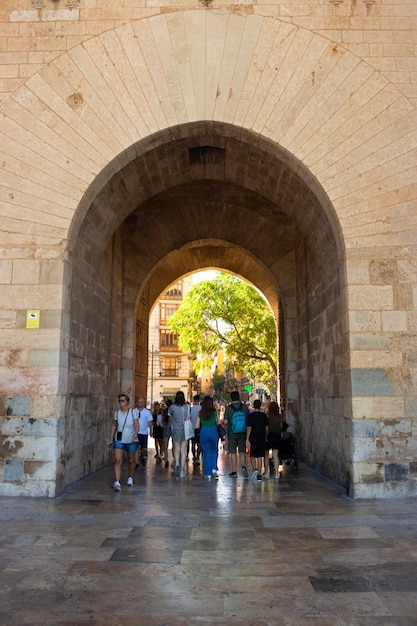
(144, 140)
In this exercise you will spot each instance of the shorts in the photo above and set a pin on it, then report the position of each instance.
(273, 442)
(236, 441)
(178, 436)
(130, 448)
(143, 441)
(257, 450)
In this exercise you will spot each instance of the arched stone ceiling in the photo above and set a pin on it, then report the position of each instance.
(74, 125)
(250, 187)
(210, 223)
(211, 254)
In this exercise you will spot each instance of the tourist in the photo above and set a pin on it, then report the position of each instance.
(124, 438)
(273, 442)
(178, 412)
(236, 441)
(145, 423)
(209, 437)
(256, 437)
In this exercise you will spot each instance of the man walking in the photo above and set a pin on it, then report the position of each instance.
(145, 423)
(235, 417)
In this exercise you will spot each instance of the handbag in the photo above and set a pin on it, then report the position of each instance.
(188, 426)
(221, 431)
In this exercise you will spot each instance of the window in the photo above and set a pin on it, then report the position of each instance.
(170, 366)
(166, 310)
(168, 340)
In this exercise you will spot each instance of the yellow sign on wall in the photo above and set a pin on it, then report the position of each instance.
(33, 318)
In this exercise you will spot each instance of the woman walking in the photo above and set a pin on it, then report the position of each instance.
(178, 412)
(126, 425)
(207, 421)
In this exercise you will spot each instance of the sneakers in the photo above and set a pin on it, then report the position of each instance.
(254, 474)
(182, 474)
(265, 475)
(130, 482)
(276, 476)
(207, 477)
(117, 486)
(166, 463)
(244, 472)
(177, 471)
(233, 474)
(259, 479)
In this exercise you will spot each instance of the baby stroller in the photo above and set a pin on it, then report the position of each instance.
(286, 452)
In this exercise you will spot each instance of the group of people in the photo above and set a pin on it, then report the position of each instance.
(247, 432)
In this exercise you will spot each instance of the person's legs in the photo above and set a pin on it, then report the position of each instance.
(183, 455)
(143, 440)
(176, 451)
(205, 446)
(242, 454)
(232, 445)
(132, 463)
(276, 462)
(266, 463)
(259, 460)
(118, 460)
(214, 449)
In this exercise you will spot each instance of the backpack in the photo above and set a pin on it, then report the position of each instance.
(238, 424)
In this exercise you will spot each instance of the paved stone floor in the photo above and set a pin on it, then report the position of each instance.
(171, 552)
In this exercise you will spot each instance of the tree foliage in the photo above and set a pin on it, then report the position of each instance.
(228, 314)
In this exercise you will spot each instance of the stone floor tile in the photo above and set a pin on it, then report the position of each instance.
(198, 553)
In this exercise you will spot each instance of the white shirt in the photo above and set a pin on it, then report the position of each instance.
(145, 418)
(195, 410)
(125, 424)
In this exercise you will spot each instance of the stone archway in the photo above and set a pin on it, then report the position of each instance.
(276, 119)
(267, 225)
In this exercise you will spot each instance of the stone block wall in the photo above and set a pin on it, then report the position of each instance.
(87, 87)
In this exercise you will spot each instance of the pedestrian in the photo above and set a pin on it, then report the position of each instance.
(235, 417)
(157, 431)
(145, 424)
(274, 438)
(194, 442)
(165, 437)
(178, 412)
(124, 438)
(207, 422)
(168, 434)
(256, 437)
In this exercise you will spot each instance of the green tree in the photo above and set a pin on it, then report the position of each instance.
(228, 314)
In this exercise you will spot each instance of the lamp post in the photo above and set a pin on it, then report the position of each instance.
(154, 353)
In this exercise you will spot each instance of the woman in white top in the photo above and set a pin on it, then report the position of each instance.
(126, 425)
(178, 412)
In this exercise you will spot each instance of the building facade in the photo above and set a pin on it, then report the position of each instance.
(169, 369)
(144, 140)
